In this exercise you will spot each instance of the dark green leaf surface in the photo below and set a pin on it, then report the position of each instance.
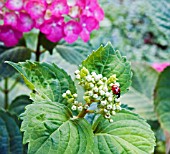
(128, 134)
(140, 95)
(18, 104)
(49, 129)
(10, 136)
(74, 53)
(47, 79)
(107, 61)
(16, 54)
(162, 99)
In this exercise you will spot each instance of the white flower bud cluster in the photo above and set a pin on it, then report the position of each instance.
(72, 99)
(99, 89)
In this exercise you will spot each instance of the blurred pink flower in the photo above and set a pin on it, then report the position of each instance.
(160, 66)
(15, 5)
(88, 25)
(10, 18)
(53, 28)
(9, 36)
(72, 30)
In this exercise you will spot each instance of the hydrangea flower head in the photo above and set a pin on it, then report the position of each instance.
(15, 5)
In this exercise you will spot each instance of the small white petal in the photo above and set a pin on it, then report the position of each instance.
(105, 110)
(68, 92)
(64, 95)
(80, 108)
(90, 93)
(73, 107)
(77, 72)
(77, 76)
(95, 89)
(107, 116)
(111, 84)
(95, 96)
(107, 94)
(113, 112)
(91, 85)
(103, 103)
(117, 99)
(75, 102)
(75, 95)
(109, 107)
(110, 99)
(117, 84)
(104, 79)
(111, 120)
(101, 92)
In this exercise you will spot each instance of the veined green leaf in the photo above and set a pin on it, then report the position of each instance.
(106, 61)
(128, 133)
(49, 128)
(10, 136)
(140, 95)
(47, 79)
(162, 100)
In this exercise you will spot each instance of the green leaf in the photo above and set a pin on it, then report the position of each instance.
(107, 61)
(140, 95)
(162, 100)
(127, 134)
(10, 136)
(74, 53)
(48, 80)
(16, 54)
(49, 128)
(18, 104)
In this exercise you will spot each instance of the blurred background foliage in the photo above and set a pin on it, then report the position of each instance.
(138, 29)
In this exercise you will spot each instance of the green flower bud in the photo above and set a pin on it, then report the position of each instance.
(112, 79)
(71, 100)
(84, 72)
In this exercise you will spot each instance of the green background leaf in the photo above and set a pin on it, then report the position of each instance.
(140, 95)
(127, 134)
(162, 100)
(48, 128)
(18, 104)
(47, 79)
(16, 54)
(107, 61)
(10, 136)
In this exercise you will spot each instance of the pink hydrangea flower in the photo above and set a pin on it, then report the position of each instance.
(2, 3)
(36, 8)
(72, 30)
(10, 18)
(15, 5)
(160, 66)
(59, 7)
(25, 22)
(88, 25)
(9, 36)
(53, 29)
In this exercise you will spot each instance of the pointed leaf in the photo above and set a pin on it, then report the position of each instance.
(127, 134)
(47, 79)
(18, 104)
(16, 54)
(10, 136)
(140, 95)
(49, 128)
(107, 61)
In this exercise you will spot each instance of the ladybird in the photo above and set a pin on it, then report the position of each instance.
(116, 90)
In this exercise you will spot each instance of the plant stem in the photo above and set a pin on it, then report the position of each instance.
(38, 52)
(6, 91)
(82, 113)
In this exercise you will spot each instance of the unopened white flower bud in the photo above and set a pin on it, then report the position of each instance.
(80, 108)
(113, 112)
(114, 107)
(118, 108)
(107, 94)
(111, 84)
(117, 84)
(103, 103)
(89, 78)
(93, 74)
(64, 95)
(105, 110)
(86, 106)
(111, 120)
(75, 95)
(77, 76)
(77, 72)
(109, 107)
(73, 107)
(91, 85)
(117, 99)
(100, 82)
(90, 93)
(105, 89)
(75, 102)
(95, 96)
(101, 92)
(104, 79)
(95, 89)
(110, 99)
(97, 77)
(68, 92)
(107, 116)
